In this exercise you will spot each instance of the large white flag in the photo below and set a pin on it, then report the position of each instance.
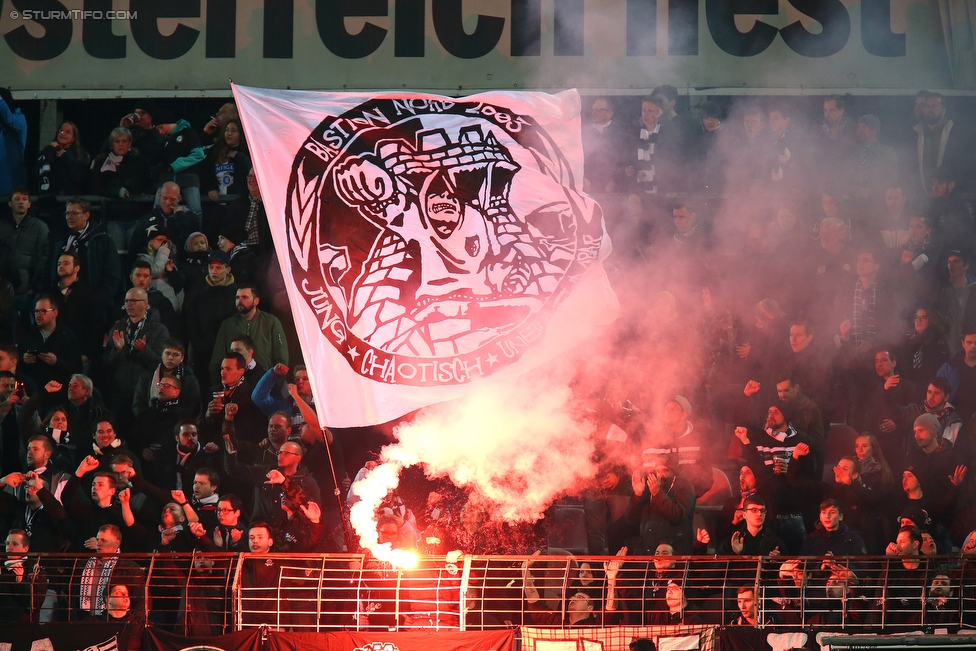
(427, 243)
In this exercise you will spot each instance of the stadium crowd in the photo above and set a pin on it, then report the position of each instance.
(797, 348)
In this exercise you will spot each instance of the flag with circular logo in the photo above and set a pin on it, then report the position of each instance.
(427, 243)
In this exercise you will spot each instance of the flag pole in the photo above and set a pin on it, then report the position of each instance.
(326, 433)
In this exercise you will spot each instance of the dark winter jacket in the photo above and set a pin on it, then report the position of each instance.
(843, 542)
(100, 264)
(30, 246)
(665, 517)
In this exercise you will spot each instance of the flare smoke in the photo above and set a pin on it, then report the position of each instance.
(513, 448)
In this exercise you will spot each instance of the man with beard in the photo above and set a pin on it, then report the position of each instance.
(36, 510)
(80, 308)
(155, 428)
(961, 373)
(937, 404)
(40, 449)
(798, 409)
(100, 266)
(192, 457)
(934, 461)
(680, 437)
(941, 142)
(957, 300)
(941, 604)
(887, 391)
(205, 309)
(905, 580)
(263, 328)
(808, 366)
(289, 481)
(770, 453)
(234, 389)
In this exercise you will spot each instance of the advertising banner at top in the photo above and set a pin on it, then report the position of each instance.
(104, 48)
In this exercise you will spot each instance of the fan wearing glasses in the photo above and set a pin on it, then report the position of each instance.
(290, 481)
(752, 537)
(135, 346)
(50, 352)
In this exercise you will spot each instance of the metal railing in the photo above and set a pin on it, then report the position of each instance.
(209, 594)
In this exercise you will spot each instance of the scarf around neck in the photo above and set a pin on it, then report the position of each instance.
(94, 587)
(111, 162)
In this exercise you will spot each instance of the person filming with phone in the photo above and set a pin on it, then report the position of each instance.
(50, 351)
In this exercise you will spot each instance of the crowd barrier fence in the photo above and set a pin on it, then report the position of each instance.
(201, 594)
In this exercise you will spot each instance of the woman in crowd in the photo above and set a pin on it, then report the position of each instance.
(119, 171)
(54, 424)
(879, 524)
(923, 350)
(62, 167)
(227, 163)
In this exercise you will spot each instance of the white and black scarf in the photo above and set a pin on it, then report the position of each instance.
(132, 330)
(182, 457)
(94, 584)
(178, 373)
